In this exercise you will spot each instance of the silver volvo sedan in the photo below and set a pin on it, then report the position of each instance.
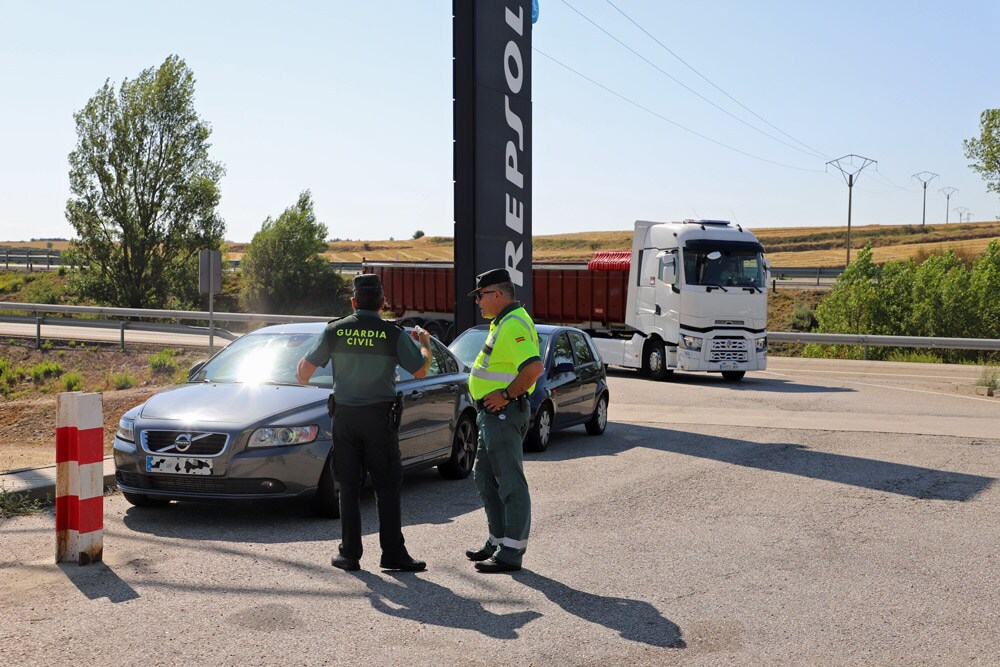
(242, 427)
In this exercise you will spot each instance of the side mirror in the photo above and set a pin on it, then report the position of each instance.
(195, 368)
(563, 367)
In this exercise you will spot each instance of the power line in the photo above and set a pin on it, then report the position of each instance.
(683, 85)
(686, 64)
(664, 118)
(925, 177)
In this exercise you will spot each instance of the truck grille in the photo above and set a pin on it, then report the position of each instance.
(188, 443)
(728, 349)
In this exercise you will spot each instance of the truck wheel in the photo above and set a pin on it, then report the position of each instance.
(537, 439)
(140, 500)
(733, 376)
(654, 361)
(326, 502)
(599, 421)
(435, 329)
(463, 450)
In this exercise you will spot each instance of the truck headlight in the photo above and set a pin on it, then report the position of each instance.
(126, 430)
(691, 342)
(761, 344)
(280, 436)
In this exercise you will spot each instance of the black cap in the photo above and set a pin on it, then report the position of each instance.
(492, 277)
(367, 281)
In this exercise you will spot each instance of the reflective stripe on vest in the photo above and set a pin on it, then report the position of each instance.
(492, 376)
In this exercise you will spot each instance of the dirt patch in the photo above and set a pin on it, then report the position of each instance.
(28, 412)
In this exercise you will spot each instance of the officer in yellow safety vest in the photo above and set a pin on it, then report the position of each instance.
(501, 379)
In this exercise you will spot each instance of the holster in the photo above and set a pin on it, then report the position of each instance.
(396, 413)
(331, 405)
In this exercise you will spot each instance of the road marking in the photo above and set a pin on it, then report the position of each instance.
(882, 386)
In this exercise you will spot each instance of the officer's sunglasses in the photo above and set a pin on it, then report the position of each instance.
(479, 296)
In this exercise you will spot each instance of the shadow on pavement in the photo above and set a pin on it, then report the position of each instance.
(634, 620)
(423, 601)
(754, 381)
(793, 459)
(98, 581)
(426, 499)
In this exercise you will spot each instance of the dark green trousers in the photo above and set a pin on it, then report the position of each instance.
(499, 474)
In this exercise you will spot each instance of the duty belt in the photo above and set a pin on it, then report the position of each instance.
(519, 401)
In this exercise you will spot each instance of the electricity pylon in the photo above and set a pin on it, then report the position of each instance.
(848, 166)
(925, 177)
(948, 192)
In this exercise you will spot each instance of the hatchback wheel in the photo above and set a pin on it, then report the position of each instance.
(599, 421)
(463, 449)
(538, 437)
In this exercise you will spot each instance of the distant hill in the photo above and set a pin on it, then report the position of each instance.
(786, 246)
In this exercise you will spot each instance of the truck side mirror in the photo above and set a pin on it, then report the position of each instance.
(668, 268)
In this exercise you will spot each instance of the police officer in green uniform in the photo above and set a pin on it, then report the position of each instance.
(364, 350)
(502, 377)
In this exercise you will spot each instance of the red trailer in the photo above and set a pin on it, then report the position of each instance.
(590, 296)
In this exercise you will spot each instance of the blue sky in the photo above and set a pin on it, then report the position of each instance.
(353, 101)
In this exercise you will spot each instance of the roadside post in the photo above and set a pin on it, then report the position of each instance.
(79, 477)
(210, 282)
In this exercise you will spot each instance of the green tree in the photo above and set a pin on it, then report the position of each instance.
(283, 270)
(418, 234)
(985, 149)
(144, 191)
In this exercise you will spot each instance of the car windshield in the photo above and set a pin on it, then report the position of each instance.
(264, 359)
(467, 346)
(733, 267)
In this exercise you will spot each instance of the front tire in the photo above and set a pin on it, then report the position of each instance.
(733, 376)
(654, 360)
(599, 421)
(538, 437)
(463, 450)
(140, 500)
(326, 502)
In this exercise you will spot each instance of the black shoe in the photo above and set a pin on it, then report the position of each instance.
(345, 563)
(493, 565)
(479, 554)
(405, 564)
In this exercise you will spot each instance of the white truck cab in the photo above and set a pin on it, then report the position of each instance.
(697, 301)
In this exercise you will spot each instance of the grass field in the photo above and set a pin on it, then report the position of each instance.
(787, 246)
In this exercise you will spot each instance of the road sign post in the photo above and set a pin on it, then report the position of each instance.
(210, 282)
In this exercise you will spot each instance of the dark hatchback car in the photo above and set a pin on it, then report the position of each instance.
(572, 390)
(242, 427)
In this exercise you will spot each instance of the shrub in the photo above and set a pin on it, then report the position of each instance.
(72, 382)
(163, 362)
(803, 318)
(45, 369)
(9, 375)
(914, 356)
(123, 380)
(47, 344)
(14, 504)
(418, 234)
(990, 377)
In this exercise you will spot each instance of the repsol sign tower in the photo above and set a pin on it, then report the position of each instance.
(492, 162)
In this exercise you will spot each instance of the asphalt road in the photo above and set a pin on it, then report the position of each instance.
(816, 514)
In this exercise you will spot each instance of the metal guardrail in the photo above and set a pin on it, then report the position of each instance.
(884, 341)
(123, 325)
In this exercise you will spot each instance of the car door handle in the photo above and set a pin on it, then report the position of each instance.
(453, 388)
(416, 393)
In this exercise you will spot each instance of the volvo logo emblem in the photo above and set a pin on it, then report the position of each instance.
(182, 442)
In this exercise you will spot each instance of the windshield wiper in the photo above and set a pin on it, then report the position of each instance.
(710, 287)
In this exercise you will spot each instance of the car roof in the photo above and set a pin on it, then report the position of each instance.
(540, 328)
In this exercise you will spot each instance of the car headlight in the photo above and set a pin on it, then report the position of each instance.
(691, 342)
(126, 430)
(280, 436)
(761, 344)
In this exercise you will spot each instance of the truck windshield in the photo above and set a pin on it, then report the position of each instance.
(732, 268)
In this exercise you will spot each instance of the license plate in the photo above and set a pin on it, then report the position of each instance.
(728, 366)
(176, 465)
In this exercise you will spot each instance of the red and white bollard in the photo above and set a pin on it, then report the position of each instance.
(79, 477)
